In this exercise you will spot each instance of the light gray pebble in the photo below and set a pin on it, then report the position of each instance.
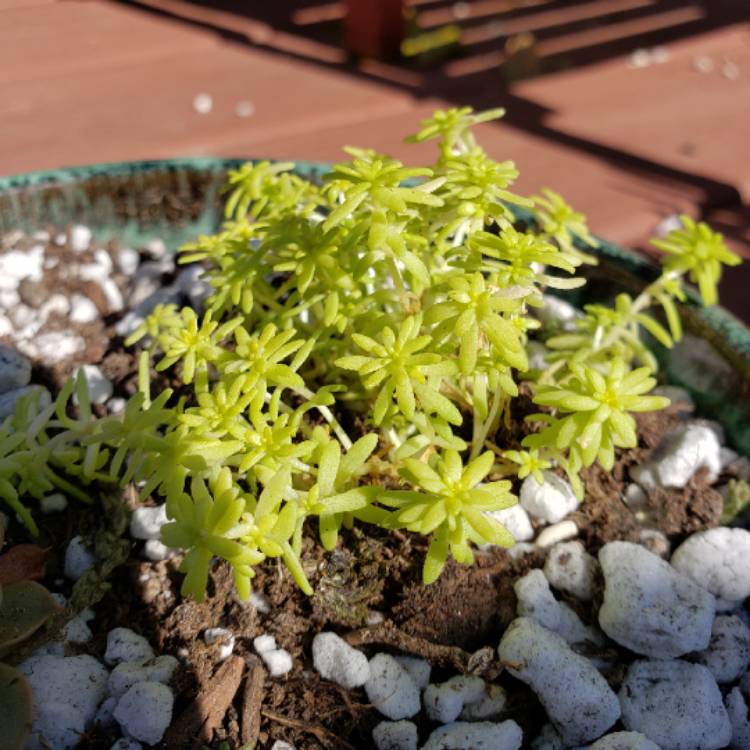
(576, 697)
(624, 741)
(82, 309)
(550, 501)
(145, 711)
(557, 532)
(391, 689)
(516, 520)
(125, 645)
(481, 735)
(571, 569)
(395, 735)
(728, 653)
(489, 707)
(78, 558)
(15, 369)
(419, 669)
(649, 607)
(9, 400)
(334, 659)
(444, 701)
(718, 560)
(146, 521)
(737, 709)
(675, 704)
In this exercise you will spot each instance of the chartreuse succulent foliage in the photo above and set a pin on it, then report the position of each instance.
(364, 340)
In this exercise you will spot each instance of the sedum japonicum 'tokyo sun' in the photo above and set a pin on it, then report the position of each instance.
(364, 340)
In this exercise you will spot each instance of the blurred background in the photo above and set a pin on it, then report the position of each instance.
(635, 110)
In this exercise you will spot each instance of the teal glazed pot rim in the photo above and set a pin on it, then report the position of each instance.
(178, 199)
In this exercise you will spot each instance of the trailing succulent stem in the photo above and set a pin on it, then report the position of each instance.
(363, 343)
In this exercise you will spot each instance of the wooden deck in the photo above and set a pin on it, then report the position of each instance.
(89, 80)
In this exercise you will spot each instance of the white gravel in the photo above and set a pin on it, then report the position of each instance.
(124, 645)
(516, 520)
(99, 386)
(728, 653)
(482, 735)
(78, 558)
(535, 600)
(550, 501)
(334, 659)
(490, 706)
(391, 689)
(680, 454)
(624, 741)
(577, 699)
(649, 607)
(128, 673)
(444, 701)
(15, 369)
(82, 309)
(145, 711)
(79, 238)
(55, 346)
(571, 569)
(395, 735)
(419, 669)
(128, 260)
(146, 521)
(675, 704)
(718, 560)
(558, 532)
(737, 709)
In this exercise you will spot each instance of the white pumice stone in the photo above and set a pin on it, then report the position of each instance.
(264, 643)
(55, 346)
(225, 637)
(128, 260)
(6, 327)
(518, 550)
(395, 735)
(77, 631)
(79, 238)
(9, 298)
(674, 393)
(259, 602)
(9, 400)
(146, 522)
(53, 503)
(112, 295)
(635, 498)
(718, 560)
(535, 600)
(419, 669)
(649, 607)
(655, 541)
(57, 304)
(278, 661)
(128, 673)
(576, 697)
(156, 248)
(104, 259)
(156, 551)
(125, 645)
(444, 701)
(557, 532)
(516, 520)
(334, 659)
(192, 282)
(282, 745)
(15, 369)
(57, 726)
(481, 735)
(18, 265)
(77, 681)
(737, 710)
(571, 569)
(391, 689)
(78, 558)
(550, 501)
(145, 711)
(728, 653)
(99, 386)
(116, 405)
(127, 743)
(624, 741)
(491, 706)
(82, 309)
(675, 704)
(680, 454)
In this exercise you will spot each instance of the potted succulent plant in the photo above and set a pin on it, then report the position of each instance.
(341, 424)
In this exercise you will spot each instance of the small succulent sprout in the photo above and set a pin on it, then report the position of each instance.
(564, 225)
(530, 463)
(595, 413)
(698, 251)
(450, 506)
